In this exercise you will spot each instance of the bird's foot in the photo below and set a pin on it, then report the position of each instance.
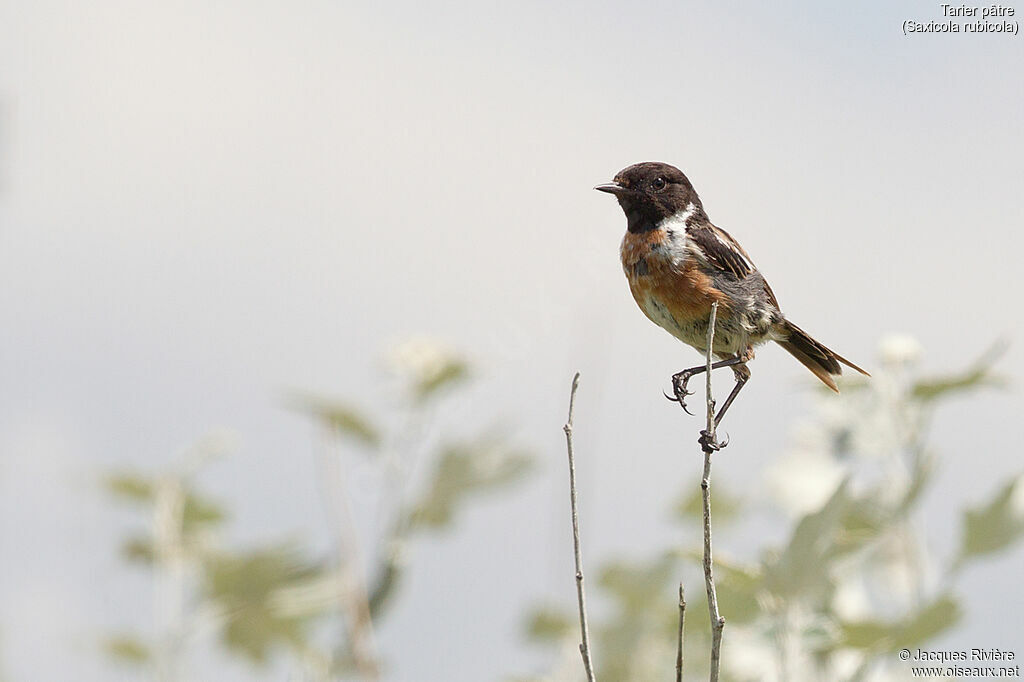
(679, 382)
(710, 443)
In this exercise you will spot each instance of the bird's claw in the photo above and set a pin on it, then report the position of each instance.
(679, 382)
(710, 443)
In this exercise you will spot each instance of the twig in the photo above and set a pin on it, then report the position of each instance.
(709, 444)
(354, 603)
(682, 623)
(580, 594)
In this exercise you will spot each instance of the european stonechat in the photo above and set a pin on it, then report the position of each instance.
(678, 263)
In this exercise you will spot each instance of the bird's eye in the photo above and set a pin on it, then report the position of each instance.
(658, 184)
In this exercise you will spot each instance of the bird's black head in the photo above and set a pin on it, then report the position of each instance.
(651, 191)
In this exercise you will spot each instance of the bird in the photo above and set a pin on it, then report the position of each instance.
(678, 263)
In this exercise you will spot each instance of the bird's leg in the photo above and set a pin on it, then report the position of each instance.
(742, 376)
(707, 443)
(680, 379)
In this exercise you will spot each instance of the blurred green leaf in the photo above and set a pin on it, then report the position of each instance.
(391, 562)
(738, 588)
(979, 375)
(549, 624)
(867, 635)
(130, 487)
(243, 585)
(127, 649)
(726, 506)
(383, 589)
(867, 517)
(636, 586)
(428, 365)
(862, 518)
(921, 476)
(930, 622)
(342, 417)
(874, 635)
(791, 596)
(138, 550)
(995, 526)
(801, 568)
(861, 522)
(451, 372)
(200, 511)
(463, 469)
(645, 608)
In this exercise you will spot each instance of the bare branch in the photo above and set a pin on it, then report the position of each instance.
(709, 445)
(682, 623)
(580, 594)
(710, 435)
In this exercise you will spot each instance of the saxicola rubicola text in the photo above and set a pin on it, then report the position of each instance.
(678, 263)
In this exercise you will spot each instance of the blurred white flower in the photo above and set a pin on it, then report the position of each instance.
(422, 359)
(215, 444)
(752, 656)
(899, 349)
(803, 480)
(650, 655)
(851, 601)
(895, 577)
(220, 442)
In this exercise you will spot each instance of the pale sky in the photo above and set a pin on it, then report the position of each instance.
(203, 204)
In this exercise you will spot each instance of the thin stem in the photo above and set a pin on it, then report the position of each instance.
(710, 435)
(580, 593)
(169, 551)
(682, 623)
(709, 446)
(354, 603)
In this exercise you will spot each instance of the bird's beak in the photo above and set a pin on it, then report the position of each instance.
(611, 188)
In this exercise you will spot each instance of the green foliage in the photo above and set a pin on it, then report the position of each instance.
(127, 649)
(739, 589)
(198, 513)
(243, 585)
(635, 590)
(464, 469)
(450, 373)
(796, 572)
(339, 416)
(277, 597)
(138, 550)
(197, 510)
(978, 375)
(995, 526)
(548, 623)
(691, 506)
(847, 585)
(428, 367)
(130, 487)
(882, 637)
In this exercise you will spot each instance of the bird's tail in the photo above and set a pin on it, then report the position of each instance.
(815, 356)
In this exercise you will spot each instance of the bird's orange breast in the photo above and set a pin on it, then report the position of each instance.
(666, 281)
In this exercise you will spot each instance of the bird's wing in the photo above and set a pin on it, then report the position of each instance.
(724, 253)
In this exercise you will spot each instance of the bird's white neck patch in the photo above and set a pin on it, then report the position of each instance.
(680, 220)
